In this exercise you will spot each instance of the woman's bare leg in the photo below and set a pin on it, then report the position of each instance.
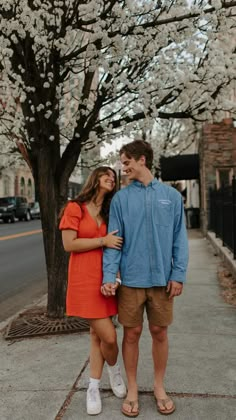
(96, 357)
(106, 333)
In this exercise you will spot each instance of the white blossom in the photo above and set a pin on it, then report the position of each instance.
(40, 107)
(124, 70)
(48, 114)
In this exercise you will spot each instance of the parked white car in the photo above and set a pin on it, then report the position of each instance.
(35, 210)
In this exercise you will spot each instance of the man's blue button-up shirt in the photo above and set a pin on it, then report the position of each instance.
(155, 248)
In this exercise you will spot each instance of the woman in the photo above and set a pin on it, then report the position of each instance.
(84, 234)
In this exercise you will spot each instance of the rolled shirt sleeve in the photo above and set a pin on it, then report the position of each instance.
(180, 252)
(111, 257)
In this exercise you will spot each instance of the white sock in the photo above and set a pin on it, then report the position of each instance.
(94, 383)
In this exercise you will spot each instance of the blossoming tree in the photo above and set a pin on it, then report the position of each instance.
(76, 73)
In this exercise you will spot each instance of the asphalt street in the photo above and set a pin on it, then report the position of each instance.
(22, 266)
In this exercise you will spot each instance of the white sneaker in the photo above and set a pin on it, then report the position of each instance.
(93, 401)
(117, 384)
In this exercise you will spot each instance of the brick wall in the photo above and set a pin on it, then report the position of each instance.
(217, 150)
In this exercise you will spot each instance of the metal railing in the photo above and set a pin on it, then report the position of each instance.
(222, 215)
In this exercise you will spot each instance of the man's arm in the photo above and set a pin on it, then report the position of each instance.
(111, 257)
(179, 251)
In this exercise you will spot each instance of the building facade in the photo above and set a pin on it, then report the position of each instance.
(217, 156)
(17, 181)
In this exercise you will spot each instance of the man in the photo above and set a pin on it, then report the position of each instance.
(149, 215)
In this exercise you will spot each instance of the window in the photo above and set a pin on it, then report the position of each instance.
(6, 185)
(223, 177)
(22, 186)
(29, 192)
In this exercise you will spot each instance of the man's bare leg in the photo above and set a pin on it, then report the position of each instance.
(160, 357)
(130, 349)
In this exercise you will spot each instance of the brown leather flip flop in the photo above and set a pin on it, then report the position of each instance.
(164, 402)
(132, 405)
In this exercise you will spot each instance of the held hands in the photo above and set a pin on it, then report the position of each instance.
(174, 288)
(109, 289)
(113, 241)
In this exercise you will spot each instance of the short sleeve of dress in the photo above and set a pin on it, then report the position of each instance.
(71, 217)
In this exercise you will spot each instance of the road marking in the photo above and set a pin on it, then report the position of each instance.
(18, 235)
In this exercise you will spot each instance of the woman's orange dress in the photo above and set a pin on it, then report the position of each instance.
(84, 297)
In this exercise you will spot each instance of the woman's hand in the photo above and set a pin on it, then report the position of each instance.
(109, 289)
(113, 241)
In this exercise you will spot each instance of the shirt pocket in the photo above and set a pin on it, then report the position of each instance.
(163, 214)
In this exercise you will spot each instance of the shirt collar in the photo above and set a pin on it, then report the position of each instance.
(154, 184)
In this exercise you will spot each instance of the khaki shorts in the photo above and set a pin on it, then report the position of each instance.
(132, 301)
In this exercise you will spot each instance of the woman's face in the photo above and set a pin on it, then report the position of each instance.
(107, 181)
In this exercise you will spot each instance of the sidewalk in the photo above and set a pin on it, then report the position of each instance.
(46, 378)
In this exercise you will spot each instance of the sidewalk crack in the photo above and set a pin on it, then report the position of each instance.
(70, 395)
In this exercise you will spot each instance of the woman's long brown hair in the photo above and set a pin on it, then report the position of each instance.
(90, 192)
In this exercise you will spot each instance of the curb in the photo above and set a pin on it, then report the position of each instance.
(223, 252)
(35, 302)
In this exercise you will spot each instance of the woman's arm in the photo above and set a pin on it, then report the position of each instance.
(73, 244)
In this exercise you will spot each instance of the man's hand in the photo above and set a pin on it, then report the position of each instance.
(109, 289)
(174, 288)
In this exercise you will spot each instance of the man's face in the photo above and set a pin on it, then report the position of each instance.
(132, 168)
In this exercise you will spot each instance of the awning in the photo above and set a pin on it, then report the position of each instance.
(179, 167)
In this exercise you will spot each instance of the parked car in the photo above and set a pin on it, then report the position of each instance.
(14, 207)
(35, 210)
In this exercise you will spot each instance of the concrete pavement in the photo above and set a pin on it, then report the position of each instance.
(46, 378)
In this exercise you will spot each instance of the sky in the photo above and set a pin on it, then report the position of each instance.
(114, 147)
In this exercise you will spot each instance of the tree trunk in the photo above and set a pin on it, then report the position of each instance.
(51, 201)
(57, 275)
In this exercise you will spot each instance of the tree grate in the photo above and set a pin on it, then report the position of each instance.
(34, 323)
